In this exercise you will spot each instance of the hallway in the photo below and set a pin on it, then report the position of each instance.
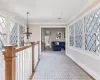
(57, 66)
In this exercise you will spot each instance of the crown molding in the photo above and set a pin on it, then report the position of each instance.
(86, 8)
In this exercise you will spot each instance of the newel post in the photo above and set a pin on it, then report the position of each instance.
(10, 62)
(33, 69)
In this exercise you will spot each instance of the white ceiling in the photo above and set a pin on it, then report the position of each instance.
(44, 11)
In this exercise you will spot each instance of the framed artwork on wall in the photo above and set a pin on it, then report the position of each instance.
(59, 35)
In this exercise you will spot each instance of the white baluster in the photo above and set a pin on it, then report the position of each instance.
(24, 64)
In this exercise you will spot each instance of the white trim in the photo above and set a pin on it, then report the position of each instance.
(18, 43)
(66, 39)
(48, 23)
(88, 53)
(53, 26)
(40, 42)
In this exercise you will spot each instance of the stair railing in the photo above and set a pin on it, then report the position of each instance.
(21, 63)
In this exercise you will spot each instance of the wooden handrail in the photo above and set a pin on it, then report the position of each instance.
(31, 42)
(25, 47)
(22, 48)
(10, 59)
(35, 43)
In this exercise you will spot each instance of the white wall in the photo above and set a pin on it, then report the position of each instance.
(87, 60)
(36, 30)
(35, 36)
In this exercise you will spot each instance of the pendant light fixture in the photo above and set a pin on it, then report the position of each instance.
(27, 32)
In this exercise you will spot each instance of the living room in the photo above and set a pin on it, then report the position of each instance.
(53, 39)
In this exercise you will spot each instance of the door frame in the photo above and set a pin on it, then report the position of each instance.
(54, 27)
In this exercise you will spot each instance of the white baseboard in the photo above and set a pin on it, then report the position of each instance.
(88, 70)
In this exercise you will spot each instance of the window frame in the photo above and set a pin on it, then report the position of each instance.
(5, 32)
(83, 35)
(93, 13)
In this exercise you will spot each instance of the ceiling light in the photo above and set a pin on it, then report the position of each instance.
(27, 32)
(59, 18)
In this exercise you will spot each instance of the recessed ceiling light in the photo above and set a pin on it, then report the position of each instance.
(59, 18)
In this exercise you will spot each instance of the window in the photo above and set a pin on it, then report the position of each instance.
(13, 39)
(71, 34)
(92, 36)
(3, 36)
(78, 34)
(21, 36)
(3, 40)
(8, 34)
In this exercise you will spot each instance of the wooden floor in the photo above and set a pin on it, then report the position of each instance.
(57, 66)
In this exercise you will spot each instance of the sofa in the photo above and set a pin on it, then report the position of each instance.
(58, 46)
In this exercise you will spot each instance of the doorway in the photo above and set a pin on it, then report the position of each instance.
(53, 39)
